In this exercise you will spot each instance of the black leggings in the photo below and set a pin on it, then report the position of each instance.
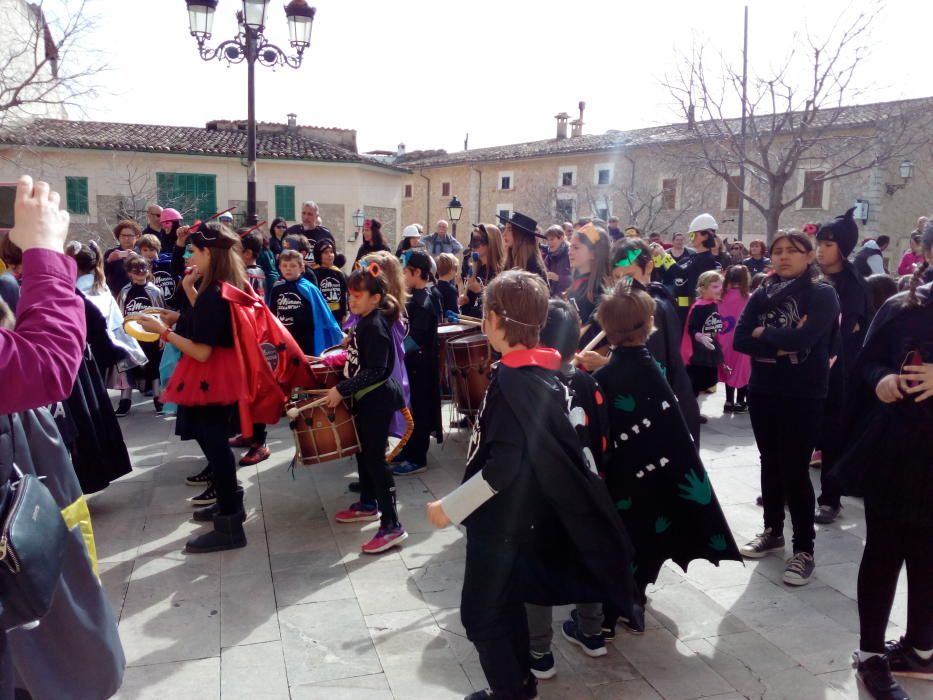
(377, 484)
(889, 544)
(702, 378)
(730, 394)
(215, 446)
(785, 429)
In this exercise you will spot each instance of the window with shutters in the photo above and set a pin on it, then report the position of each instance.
(669, 193)
(76, 197)
(506, 180)
(192, 194)
(734, 192)
(812, 190)
(408, 191)
(285, 202)
(445, 189)
(565, 209)
(603, 176)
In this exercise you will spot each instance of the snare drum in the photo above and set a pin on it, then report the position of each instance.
(326, 376)
(470, 362)
(322, 434)
(445, 333)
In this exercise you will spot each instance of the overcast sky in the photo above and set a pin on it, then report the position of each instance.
(426, 72)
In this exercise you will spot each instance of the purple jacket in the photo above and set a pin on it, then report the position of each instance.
(39, 358)
(558, 263)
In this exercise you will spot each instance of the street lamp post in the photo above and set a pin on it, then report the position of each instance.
(454, 212)
(251, 45)
(358, 220)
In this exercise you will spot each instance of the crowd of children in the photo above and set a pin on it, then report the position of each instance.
(587, 437)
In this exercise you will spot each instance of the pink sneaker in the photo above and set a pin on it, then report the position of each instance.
(358, 513)
(386, 538)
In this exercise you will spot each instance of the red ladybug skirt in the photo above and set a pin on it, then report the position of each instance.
(218, 381)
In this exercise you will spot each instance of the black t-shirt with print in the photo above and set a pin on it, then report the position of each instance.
(370, 360)
(163, 277)
(137, 300)
(333, 285)
(295, 313)
(705, 319)
(210, 319)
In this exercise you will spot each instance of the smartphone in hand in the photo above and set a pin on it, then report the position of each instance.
(7, 201)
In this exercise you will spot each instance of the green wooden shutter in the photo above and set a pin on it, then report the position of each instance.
(285, 202)
(76, 196)
(194, 195)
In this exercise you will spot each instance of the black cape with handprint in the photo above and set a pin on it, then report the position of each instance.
(655, 476)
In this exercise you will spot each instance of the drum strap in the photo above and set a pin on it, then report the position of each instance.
(365, 390)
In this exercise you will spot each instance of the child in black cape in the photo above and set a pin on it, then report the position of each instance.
(423, 311)
(699, 348)
(655, 476)
(889, 462)
(590, 420)
(330, 278)
(540, 526)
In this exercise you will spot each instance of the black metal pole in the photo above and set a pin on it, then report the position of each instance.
(744, 101)
(251, 218)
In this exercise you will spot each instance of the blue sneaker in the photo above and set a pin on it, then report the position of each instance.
(409, 468)
(592, 646)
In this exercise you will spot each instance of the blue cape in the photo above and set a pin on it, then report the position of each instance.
(326, 331)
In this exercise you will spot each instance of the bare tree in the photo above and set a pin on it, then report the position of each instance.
(793, 121)
(44, 68)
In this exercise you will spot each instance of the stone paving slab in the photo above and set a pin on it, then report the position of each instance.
(300, 613)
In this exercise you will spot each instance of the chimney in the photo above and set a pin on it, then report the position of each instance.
(292, 120)
(401, 150)
(576, 126)
(562, 125)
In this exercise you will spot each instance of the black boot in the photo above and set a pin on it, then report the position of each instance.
(206, 515)
(227, 534)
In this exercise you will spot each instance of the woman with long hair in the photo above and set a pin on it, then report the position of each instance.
(207, 383)
(277, 230)
(589, 259)
(486, 260)
(373, 241)
(788, 327)
(521, 244)
(889, 462)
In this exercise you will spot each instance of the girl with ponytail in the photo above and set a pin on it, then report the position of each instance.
(375, 396)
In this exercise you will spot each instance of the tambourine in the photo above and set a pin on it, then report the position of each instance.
(132, 326)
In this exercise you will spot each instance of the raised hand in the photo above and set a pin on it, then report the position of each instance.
(39, 222)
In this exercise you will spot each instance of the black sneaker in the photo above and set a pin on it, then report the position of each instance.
(208, 497)
(592, 645)
(762, 544)
(740, 408)
(728, 407)
(158, 407)
(529, 690)
(827, 514)
(202, 478)
(876, 676)
(904, 661)
(608, 629)
(123, 408)
(636, 623)
(542, 665)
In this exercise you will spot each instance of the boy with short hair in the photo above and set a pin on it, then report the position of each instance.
(526, 484)
(150, 247)
(301, 308)
(423, 310)
(250, 252)
(137, 296)
(330, 278)
(447, 268)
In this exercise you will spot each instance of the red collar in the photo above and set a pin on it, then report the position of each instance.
(548, 358)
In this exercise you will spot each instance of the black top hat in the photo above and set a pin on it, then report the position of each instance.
(520, 221)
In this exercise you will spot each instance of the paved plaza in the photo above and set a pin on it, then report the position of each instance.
(300, 613)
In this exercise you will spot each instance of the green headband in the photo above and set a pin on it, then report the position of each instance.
(629, 259)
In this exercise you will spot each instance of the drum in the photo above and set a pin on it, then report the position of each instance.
(322, 434)
(326, 376)
(470, 361)
(445, 333)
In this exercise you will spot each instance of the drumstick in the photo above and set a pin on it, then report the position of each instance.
(295, 411)
(590, 346)
(248, 231)
(468, 320)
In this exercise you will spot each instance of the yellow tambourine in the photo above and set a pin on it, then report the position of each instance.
(132, 326)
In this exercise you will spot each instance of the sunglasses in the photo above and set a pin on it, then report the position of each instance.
(281, 226)
(137, 268)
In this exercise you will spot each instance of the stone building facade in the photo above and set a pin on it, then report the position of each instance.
(649, 178)
(107, 171)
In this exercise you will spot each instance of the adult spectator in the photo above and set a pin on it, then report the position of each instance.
(614, 232)
(737, 252)
(372, 239)
(277, 234)
(679, 249)
(12, 260)
(654, 237)
(913, 256)
(153, 220)
(169, 222)
(126, 233)
(439, 242)
(757, 261)
(568, 230)
(226, 218)
(682, 277)
(411, 239)
(310, 226)
(870, 259)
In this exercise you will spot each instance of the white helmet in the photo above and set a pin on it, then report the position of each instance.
(704, 222)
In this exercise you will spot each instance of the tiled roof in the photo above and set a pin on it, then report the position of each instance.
(189, 140)
(853, 116)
